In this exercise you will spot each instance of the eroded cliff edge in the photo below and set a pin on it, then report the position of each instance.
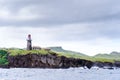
(46, 61)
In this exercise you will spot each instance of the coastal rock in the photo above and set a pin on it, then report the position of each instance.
(108, 65)
(46, 61)
(117, 63)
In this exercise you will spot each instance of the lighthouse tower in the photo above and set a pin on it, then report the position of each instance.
(29, 43)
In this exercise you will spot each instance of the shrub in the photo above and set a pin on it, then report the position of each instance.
(3, 57)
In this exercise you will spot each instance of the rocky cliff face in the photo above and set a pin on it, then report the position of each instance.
(53, 61)
(46, 61)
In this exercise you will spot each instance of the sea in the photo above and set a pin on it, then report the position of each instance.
(59, 74)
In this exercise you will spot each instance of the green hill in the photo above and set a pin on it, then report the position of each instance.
(99, 57)
(60, 49)
(113, 55)
(69, 53)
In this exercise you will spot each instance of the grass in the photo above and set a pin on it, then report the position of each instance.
(109, 56)
(94, 59)
(24, 52)
(15, 52)
(68, 55)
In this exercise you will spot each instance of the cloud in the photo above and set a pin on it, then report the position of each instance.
(86, 31)
(37, 13)
(23, 14)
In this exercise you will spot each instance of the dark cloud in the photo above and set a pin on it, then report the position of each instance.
(62, 12)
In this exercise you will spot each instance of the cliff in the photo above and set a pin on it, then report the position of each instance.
(19, 58)
(55, 61)
(46, 61)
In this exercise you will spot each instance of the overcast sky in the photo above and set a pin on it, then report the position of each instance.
(87, 26)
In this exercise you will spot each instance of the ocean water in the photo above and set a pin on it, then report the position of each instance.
(59, 74)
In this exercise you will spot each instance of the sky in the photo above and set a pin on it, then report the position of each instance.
(86, 26)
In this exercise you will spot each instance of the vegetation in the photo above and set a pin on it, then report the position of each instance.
(3, 57)
(24, 52)
(67, 52)
(109, 56)
(94, 59)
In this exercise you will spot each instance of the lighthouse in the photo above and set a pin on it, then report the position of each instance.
(29, 42)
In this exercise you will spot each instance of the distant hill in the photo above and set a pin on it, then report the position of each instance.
(99, 57)
(113, 55)
(57, 49)
(60, 49)
(68, 52)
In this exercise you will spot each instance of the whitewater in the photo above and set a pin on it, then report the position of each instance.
(59, 74)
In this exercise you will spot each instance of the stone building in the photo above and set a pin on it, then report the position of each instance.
(36, 48)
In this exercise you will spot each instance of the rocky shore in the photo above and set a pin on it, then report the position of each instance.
(107, 65)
